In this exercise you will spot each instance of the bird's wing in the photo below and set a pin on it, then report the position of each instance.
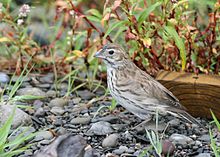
(156, 90)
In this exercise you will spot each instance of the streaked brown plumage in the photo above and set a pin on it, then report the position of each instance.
(135, 90)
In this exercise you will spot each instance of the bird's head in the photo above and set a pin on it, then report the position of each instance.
(113, 55)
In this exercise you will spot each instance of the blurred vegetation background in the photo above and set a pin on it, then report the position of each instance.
(62, 35)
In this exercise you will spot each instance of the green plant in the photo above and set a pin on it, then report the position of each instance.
(215, 148)
(155, 140)
(16, 146)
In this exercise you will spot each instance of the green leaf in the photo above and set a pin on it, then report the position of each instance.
(215, 120)
(179, 43)
(113, 26)
(4, 130)
(27, 97)
(147, 12)
(95, 13)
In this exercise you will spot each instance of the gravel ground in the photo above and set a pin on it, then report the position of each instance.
(65, 120)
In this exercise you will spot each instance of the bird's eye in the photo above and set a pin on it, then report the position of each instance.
(111, 52)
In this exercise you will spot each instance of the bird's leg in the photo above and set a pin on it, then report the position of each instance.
(142, 123)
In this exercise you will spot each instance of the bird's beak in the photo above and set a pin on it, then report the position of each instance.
(99, 54)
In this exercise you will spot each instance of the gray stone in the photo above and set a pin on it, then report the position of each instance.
(203, 155)
(151, 125)
(48, 78)
(4, 78)
(174, 122)
(51, 93)
(43, 135)
(108, 118)
(110, 141)
(80, 120)
(20, 117)
(120, 150)
(39, 112)
(86, 94)
(58, 102)
(205, 138)
(180, 139)
(64, 146)
(76, 100)
(57, 110)
(31, 91)
(100, 128)
(25, 130)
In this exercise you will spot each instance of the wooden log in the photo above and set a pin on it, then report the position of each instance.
(198, 93)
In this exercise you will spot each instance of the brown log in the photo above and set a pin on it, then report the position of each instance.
(198, 93)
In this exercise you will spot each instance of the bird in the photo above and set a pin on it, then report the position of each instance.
(137, 91)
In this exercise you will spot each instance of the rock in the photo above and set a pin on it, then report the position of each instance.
(80, 120)
(48, 78)
(31, 91)
(76, 100)
(37, 104)
(64, 146)
(174, 122)
(57, 110)
(151, 125)
(100, 128)
(120, 150)
(26, 131)
(108, 118)
(110, 141)
(86, 94)
(58, 102)
(180, 139)
(20, 117)
(205, 138)
(43, 135)
(167, 148)
(203, 155)
(4, 78)
(90, 152)
(62, 131)
(39, 112)
(51, 93)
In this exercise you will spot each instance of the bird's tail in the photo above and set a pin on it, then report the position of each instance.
(184, 115)
(190, 118)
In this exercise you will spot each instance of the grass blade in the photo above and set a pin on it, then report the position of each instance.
(179, 43)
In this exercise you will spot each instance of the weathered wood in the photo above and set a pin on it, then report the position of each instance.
(198, 93)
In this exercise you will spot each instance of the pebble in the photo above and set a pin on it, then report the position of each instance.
(100, 128)
(152, 126)
(76, 100)
(57, 110)
(4, 78)
(120, 150)
(167, 147)
(51, 93)
(180, 139)
(48, 78)
(110, 141)
(58, 102)
(20, 117)
(80, 120)
(43, 135)
(39, 112)
(64, 145)
(174, 122)
(31, 91)
(25, 130)
(85, 94)
(205, 138)
(108, 118)
(203, 155)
